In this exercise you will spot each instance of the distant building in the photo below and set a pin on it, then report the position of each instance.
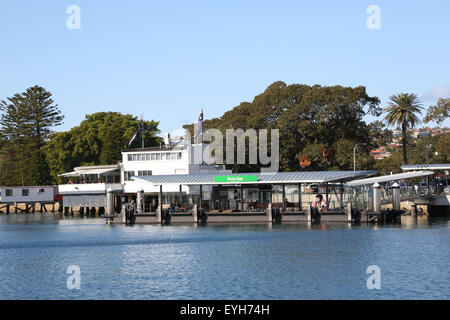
(380, 153)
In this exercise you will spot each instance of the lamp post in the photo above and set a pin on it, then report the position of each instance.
(354, 155)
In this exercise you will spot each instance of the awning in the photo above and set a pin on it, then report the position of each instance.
(388, 178)
(261, 178)
(77, 173)
(434, 166)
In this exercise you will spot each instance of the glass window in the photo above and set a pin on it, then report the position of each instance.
(163, 156)
(158, 156)
(173, 156)
(179, 155)
(128, 175)
(147, 156)
(153, 156)
(9, 193)
(25, 192)
(130, 157)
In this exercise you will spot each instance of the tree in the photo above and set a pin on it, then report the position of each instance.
(99, 139)
(443, 148)
(402, 110)
(110, 154)
(305, 116)
(379, 134)
(42, 113)
(439, 112)
(26, 121)
(389, 165)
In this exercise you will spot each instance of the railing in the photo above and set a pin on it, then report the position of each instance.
(88, 187)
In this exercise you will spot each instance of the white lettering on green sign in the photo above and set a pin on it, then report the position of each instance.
(247, 178)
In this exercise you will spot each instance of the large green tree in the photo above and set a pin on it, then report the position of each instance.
(99, 139)
(439, 112)
(310, 119)
(403, 110)
(26, 121)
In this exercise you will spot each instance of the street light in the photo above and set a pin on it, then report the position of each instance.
(354, 155)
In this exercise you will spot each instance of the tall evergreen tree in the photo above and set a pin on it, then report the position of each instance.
(25, 123)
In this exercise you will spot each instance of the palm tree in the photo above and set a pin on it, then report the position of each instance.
(402, 110)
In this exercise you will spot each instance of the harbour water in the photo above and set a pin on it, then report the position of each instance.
(287, 261)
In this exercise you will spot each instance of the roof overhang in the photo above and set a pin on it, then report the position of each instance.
(78, 173)
(262, 178)
(433, 166)
(388, 178)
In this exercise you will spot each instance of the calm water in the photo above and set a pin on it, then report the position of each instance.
(220, 262)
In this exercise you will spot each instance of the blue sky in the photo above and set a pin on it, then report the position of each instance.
(169, 59)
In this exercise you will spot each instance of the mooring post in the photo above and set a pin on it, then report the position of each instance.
(269, 213)
(159, 210)
(396, 196)
(195, 213)
(376, 201)
(109, 202)
(139, 200)
(414, 210)
(349, 212)
(123, 210)
(308, 213)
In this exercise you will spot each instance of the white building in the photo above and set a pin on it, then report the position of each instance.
(87, 185)
(24, 194)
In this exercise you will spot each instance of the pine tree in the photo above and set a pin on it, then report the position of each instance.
(25, 124)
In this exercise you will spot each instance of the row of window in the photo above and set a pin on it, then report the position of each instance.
(155, 156)
(129, 174)
(25, 192)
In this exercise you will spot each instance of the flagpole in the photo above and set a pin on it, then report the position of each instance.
(143, 132)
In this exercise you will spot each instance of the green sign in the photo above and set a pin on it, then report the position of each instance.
(236, 179)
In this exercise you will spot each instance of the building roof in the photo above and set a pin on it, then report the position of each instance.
(90, 170)
(278, 177)
(174, 147)
(434, 166)
(388, 178)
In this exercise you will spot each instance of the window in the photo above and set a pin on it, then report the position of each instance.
(147, 156)
(8, 193)
(158, 156)
(41, 191)
(173, 156)
(25, 192)
(153, 156)
(145, 173)
(130, 157)
(128, 175)
(163, 156)
(179, 155)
